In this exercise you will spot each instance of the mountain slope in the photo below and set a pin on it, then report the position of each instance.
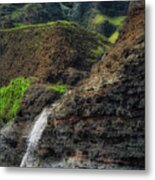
(55, 52)
(33, 13)
(102, 17)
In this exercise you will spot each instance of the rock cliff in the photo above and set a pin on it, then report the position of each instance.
(101, 122)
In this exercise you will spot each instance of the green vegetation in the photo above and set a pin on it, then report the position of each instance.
(114, 37)
(99, 19)
(58, 88)
(117, 21)
(97, 53)
(29, 13)
(11, 97)
(19, 26)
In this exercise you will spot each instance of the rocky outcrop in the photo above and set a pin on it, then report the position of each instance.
(35, 99)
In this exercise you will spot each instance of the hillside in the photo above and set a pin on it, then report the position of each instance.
(14, 15)
(54, 52)
(102, 17)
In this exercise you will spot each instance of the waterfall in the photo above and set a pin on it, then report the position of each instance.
(34, 137)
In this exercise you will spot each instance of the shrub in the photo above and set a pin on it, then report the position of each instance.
(58, 88)
(114, 37)
(11, 97)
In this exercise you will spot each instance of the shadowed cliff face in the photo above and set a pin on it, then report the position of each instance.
(99, 124)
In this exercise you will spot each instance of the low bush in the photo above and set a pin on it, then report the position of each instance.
(58, 88)
(11, 97)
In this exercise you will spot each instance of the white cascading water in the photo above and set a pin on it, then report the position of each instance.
(29, 158)
(34, 137)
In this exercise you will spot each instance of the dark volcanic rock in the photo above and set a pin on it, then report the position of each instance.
(9, 138)
(36, 98)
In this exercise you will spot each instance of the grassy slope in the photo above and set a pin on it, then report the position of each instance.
(43, 25)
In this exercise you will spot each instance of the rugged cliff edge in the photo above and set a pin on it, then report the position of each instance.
(100, 123)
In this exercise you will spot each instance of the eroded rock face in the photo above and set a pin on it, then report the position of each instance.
(36, 98)
(102, 121)
(99, 124)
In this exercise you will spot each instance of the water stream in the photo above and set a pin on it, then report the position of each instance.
(34, 137)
